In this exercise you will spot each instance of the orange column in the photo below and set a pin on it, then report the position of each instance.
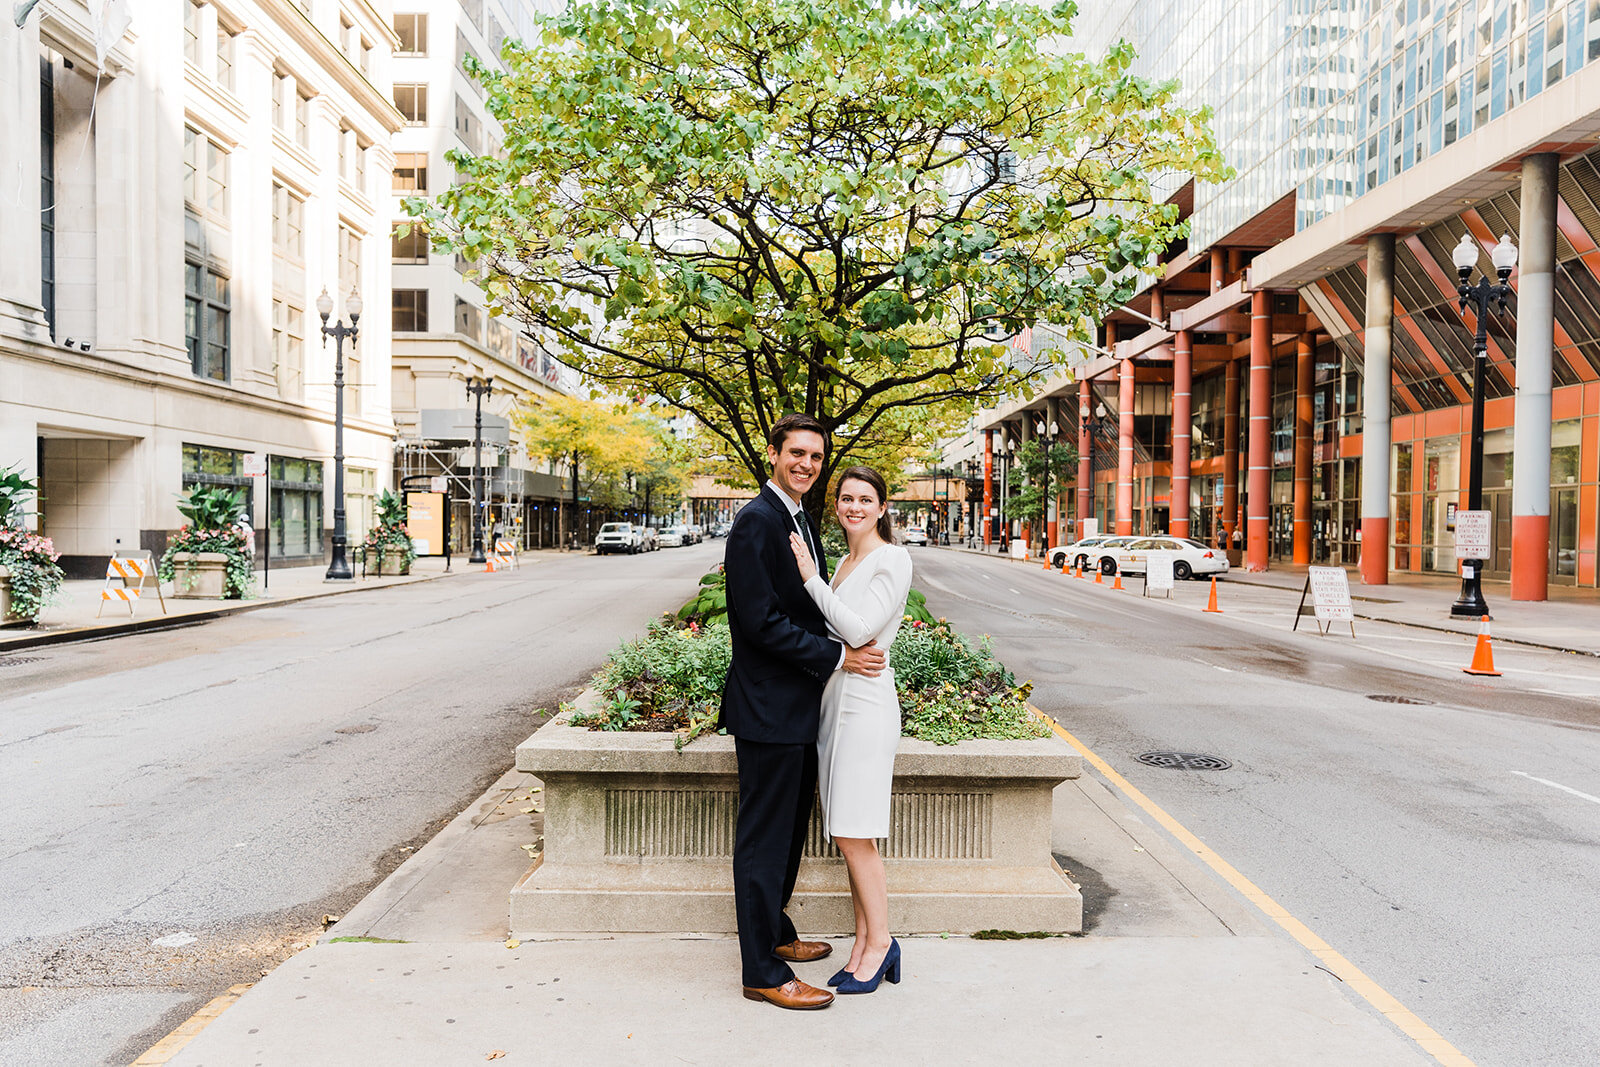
(1125, 447)
(1230, 453)
(1085, 456)
(1258, 499)
(988, 487)
(1052, 513)
(1302, 449)
(1182, 428)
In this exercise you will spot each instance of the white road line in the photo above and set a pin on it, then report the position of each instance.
(1015, 592)
(1558, 785)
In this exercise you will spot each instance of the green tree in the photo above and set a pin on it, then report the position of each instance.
(751, 207)
(1029, 503)
(661, 474)
(597, 441)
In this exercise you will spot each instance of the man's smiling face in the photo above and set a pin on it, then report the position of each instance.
(796, 465)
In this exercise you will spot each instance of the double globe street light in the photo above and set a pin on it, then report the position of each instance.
(1470, 604)
(339, 565)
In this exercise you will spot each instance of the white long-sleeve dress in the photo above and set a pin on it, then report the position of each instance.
(860, 728)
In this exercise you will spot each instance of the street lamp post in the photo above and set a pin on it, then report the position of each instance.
(1470, 603)
(1050, 431)
(339, 565)
(479, 388)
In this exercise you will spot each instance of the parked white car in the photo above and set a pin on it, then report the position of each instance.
(618, 537)
(914, 535)
(670, 537)
(1085, 552)
(1189, 558)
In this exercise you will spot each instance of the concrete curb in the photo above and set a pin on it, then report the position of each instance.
(168, 622)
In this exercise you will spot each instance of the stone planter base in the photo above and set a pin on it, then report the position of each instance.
(639, 838)
(389, 567)
(5, 598)
(205, 581)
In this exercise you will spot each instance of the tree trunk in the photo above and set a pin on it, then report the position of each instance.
(574, 498)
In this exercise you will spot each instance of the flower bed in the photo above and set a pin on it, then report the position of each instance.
(388, 544)
(212, 536)
(31, 575)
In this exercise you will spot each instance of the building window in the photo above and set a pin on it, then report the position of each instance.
(411, 248)
(474, 10)
(360, 502)
(296, 520)
(47, 191)
(288, 224)
(411, 172)
(302, 120)
(349, 279)
(412, 101)
(280, 101)
(410, 311)
(193, 16)
(469, 320)
(289, 348)
(225, 44)
(468, 128)
(463, 51)
(205, 175)
(206, 323)
(412, 29)
(203, 465)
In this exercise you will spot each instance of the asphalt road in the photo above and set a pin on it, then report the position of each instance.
(182, 808)
(1439, 846)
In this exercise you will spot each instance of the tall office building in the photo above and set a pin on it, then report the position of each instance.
(183, 177)
(1305, 392)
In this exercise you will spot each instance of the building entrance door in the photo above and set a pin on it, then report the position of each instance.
(1564, 535)
(1497, 502)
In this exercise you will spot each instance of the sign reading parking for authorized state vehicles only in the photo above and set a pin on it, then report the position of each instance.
(1329, 590)
(1473, 534)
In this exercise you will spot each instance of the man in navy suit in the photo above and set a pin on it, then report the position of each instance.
(771, 705)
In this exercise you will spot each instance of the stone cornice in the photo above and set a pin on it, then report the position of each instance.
(328, 58)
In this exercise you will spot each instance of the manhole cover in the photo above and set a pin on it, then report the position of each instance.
(17, 661)
(1185, 761)
(1393, 698)
(358, 728)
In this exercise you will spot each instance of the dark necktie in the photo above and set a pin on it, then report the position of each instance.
(805, 535)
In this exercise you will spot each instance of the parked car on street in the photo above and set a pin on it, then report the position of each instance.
(1189, 558)
(695, 535)
(647, 539)
(618, 537)
(670, 537)
(721, 529)
(914, 535)
(1081, 553)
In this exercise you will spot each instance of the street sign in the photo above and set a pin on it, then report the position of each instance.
(1472, 534)
(255, 464)
(1329, 590)
(1158, 572)
(439, 483)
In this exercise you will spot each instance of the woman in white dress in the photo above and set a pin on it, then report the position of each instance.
(860, 728)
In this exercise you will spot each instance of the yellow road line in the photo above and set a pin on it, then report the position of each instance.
(169, 1046)
(1347, 972)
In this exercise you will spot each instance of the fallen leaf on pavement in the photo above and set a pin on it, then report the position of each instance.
(512, 942)
(529, 811)
(497, 1054)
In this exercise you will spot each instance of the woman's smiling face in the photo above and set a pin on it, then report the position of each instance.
(858, 506)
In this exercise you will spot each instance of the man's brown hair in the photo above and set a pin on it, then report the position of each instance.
(792, 423)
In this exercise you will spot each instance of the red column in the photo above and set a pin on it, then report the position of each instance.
(1218, 269)
(1182, 428)
(1230, 453)
(988, 487)
(1052, 513)
(1125, 447)
(1258, 498)
(1302, 450)
(1085, 456)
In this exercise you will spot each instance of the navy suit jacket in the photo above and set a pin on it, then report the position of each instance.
(782, 654)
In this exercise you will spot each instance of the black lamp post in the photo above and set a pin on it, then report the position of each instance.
(479, 388)
(1470, 603)
(339, 565)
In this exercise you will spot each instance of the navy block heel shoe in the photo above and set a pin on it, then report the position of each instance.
(841, 975)
(889, 968)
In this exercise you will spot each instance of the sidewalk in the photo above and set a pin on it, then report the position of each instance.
(420, 972)
(1568, 622)
(77, 616)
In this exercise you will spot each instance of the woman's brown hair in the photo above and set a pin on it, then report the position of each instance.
(879, 486)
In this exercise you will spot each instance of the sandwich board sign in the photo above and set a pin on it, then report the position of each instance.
(1329, 590)
(1158, 572)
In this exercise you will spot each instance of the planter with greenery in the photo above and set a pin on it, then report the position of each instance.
(639, 822)
(388, 544)
(30, 577)
(208, 558)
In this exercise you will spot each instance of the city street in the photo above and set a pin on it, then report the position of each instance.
(1439, 846)
(183, 807)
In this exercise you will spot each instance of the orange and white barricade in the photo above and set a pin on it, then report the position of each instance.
(125, 578)
(505, 554)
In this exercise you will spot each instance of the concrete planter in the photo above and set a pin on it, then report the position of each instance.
(5, 597)
(388, 564)
(199, 575)
(639, 838)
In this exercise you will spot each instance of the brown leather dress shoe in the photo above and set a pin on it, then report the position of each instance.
(793, 994)
(803, 951)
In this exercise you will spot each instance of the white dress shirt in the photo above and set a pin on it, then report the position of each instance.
(794, 510)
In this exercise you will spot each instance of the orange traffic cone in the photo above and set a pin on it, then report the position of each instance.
(1077, 571)
(488, 566)
(1118, 583)
(1063, 566)
(1099, 576)
(1211, 605)
(1047, 563)
(1482, 654)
